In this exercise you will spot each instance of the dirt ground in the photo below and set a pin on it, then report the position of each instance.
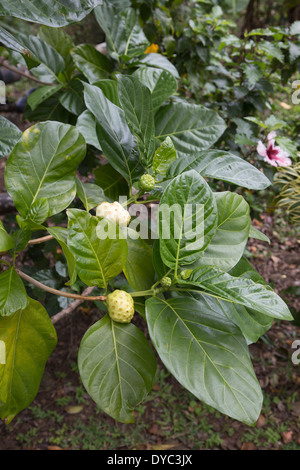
(63, 416)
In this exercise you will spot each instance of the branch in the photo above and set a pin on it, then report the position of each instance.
(4, 63)
(58, 292)
(36, 241)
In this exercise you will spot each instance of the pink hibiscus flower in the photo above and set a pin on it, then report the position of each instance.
(273, 154)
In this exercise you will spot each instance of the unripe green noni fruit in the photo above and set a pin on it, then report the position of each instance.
(166, 282)
(114, 212)
(120, 306)
(147, 183)
(185, 273)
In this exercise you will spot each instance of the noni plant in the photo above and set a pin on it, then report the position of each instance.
(146, 230)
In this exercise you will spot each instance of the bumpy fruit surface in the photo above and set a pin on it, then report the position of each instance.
(115, 212)
(120, 306)
(166, 281)
(147, 183)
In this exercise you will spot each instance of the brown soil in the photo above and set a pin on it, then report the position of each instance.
(278, 376)
(61, 426)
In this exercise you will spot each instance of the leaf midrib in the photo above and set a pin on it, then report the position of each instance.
(205, 354)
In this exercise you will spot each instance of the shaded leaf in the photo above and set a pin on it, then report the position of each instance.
(117, 367)
(207, 355)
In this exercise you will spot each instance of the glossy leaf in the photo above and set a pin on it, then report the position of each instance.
(158, 61)
(240, 290)
(207, 354)
(117, 367)
(90, 62)
(48, 110)
(43, 165)
(118, 144)
(138, 269)
(191, 127)
(72, 99)
(90, 194)
(160, 268)
(7, 242)
(110, 90)
(184, 240)
(9, 136)
(245, 269)
(251, 323)
(13, 295)
(29, 338)
(35, 49)
(228, 243)
(42, 94)
(123, 34)
(223, 166)
(86, 125)
(48, 12)
(136, 102)
(161, 83)
(112, 183)
(97, 260)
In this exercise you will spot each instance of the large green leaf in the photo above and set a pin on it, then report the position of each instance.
(138, 269)
(117, 142)
(136, 102)
(86, 125)
(35, 49)
(7, 242)
(51, 13)
(117, 367)
(58, 38)
(207, 354)
(160, 268)
(72, 99)
(9, 136)
(98, 260)
(251, 323)
(37, 214)
(29, 339)
(43, 165)
(155, 60)
(48, 110)
(13, 295)
(223, 166)
(161, 83)
(90, 194)
(123, 34)
(245, 269)
(192, 127)
(91, 63)
(240, 290)
(41, 94)
(110, 90)
(112, 183)
(184, 239)
(228, 243)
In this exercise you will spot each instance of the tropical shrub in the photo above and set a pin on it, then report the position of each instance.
(165, 246)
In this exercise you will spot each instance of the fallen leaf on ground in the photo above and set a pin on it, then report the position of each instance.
(287, 436)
